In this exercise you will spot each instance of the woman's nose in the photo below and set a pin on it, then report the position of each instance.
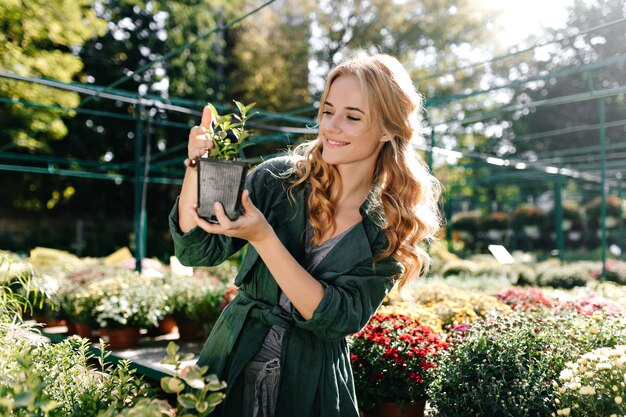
(332, 123)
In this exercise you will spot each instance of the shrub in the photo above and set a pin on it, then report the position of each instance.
(593, 385)
(392, 359)
(506, 366)
(526, 215)
(528, 299)
(467, 221)
(454, 306)
(424, 316)
(56, 379)
(497, 220)
(126, 300)
(613, 209)
(616, 271)
(566, 276)
(593, 304)
(195, 299)
(458, 267)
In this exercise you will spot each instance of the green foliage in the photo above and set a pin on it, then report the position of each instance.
(506, 366)
(227, 146)
(283, 85)
(195, 299)
(565, 276)
(57, 379)
(37, 39)
(206, 389)
(125, 299)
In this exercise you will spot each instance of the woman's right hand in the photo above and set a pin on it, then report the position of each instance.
(199, 140)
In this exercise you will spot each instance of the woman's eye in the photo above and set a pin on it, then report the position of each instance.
(353, 118)
(326, 112)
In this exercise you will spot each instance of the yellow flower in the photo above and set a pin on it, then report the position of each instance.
(587, 390)
(563, 412)
(618, 400)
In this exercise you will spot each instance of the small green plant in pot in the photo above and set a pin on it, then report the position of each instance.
(221, 176)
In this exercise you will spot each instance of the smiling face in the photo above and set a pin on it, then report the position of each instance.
(349, 137)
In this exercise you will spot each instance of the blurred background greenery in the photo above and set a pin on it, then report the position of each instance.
(521, 100)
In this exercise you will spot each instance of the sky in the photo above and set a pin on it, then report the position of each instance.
(521, 18)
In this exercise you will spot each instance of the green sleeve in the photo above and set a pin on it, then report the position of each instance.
(349, 300)
(199, 248)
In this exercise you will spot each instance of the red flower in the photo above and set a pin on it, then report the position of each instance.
(392, 358)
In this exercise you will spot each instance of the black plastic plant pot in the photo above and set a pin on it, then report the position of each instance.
(223, 181)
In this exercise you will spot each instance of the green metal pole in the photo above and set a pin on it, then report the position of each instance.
(139, 234)
(558, 219)
(603, 182)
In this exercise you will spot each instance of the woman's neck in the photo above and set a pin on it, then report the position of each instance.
(354, 188)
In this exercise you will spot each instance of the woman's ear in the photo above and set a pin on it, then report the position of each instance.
(385, 138)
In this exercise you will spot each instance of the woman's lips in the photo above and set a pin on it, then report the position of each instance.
(334, 143)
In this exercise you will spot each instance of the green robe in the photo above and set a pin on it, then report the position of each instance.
(316, 376)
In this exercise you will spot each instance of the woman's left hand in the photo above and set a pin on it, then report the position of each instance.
(251, 225)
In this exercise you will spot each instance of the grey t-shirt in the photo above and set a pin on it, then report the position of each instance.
(313, 256)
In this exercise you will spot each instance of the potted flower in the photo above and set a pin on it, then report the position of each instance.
(613, 212)
(466, 224)
(495, 225)
(119, 306)
(195, 305)
(220, 176)
(392, 359)
(529, 221)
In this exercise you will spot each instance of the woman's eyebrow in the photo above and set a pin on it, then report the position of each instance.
(328, 103)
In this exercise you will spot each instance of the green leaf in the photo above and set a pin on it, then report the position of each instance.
(202, 406)
(213, 111)
(243, 136)
(187, 400)
(49, 406)
(240, 106)
(215, 398)
(24, 399)
(172, 349)
(248, 107)
(172, 385)
(214, 384)
(196, 383)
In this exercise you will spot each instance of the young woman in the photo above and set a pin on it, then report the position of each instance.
(330, 233)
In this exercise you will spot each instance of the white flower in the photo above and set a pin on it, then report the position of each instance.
(566, 374)
(587, 390)
(563, 412)
(618, 400)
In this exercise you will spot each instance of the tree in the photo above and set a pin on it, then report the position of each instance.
(38, 39)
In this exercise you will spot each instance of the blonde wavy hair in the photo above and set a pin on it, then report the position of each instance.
(408, 194)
